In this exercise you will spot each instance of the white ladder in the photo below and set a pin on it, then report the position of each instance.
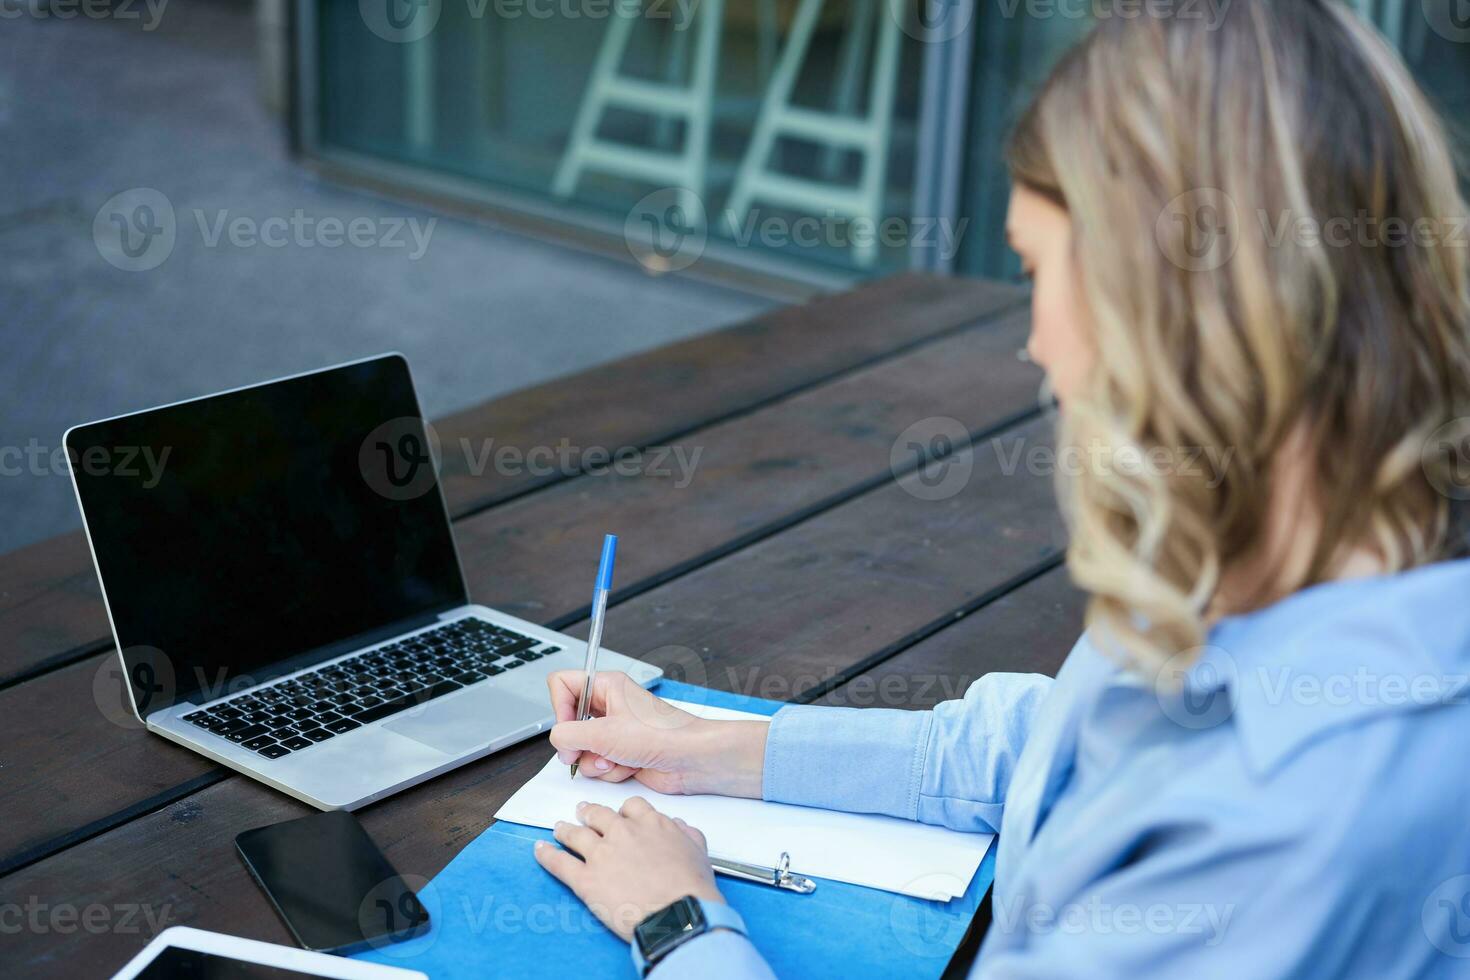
(836, 130)
(684, 168)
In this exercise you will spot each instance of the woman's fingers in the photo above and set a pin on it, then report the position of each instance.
(695, 834)
(596, 816)
(599, 767)
(565, 868)
(636, 808)
(576, 837)
(595, 735)
(565, 687)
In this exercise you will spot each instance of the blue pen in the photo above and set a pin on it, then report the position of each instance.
(594, 639)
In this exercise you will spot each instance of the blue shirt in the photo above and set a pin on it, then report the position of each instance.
(1297, 806)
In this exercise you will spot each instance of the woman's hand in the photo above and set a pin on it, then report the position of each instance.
(634, 733)
(633, 862)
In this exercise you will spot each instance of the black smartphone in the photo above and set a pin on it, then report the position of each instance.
(327, 879)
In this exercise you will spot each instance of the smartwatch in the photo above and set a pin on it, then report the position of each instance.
(674, 925)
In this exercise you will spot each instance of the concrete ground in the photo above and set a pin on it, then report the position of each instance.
(90, 108)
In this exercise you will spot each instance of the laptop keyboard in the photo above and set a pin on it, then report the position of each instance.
(313, 707)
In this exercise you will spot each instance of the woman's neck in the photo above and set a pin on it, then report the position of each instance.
(1283, 555)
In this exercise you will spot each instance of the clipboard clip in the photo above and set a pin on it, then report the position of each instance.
(778, 877)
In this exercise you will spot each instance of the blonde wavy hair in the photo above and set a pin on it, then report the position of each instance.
(1178, 147)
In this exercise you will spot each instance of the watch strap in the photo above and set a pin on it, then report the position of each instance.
(717, 915)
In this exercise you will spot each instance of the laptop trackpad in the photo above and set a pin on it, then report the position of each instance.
(468, 721)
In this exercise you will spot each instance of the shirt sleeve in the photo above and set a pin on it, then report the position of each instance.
(717, 955)
(948, 766)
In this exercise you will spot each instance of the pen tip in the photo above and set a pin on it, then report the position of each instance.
(574, 770)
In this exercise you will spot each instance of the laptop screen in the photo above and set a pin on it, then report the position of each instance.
(250, 533)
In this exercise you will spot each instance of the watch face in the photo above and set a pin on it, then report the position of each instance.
(666, 928)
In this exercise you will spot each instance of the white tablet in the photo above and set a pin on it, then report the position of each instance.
(181, 953)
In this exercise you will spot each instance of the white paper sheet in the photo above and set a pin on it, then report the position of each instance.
(879, 852)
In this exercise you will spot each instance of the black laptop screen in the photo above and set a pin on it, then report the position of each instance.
(243, 534)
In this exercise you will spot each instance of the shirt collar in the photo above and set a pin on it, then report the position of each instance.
(1337, 654)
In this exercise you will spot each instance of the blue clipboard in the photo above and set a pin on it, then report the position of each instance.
(495, 913)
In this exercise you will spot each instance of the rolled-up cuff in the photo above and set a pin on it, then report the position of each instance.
(863, 760)
(718, 955)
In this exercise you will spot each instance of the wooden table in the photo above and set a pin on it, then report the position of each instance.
(812, 557)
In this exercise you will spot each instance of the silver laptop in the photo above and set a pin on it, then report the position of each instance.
(283, 586)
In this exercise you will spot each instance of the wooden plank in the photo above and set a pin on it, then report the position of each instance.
(824, 599)
(753, 475)
(51, 611)
(664, 393)
(1028, 630)
(853, 586)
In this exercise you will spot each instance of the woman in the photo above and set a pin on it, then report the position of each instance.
(1252, 764)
